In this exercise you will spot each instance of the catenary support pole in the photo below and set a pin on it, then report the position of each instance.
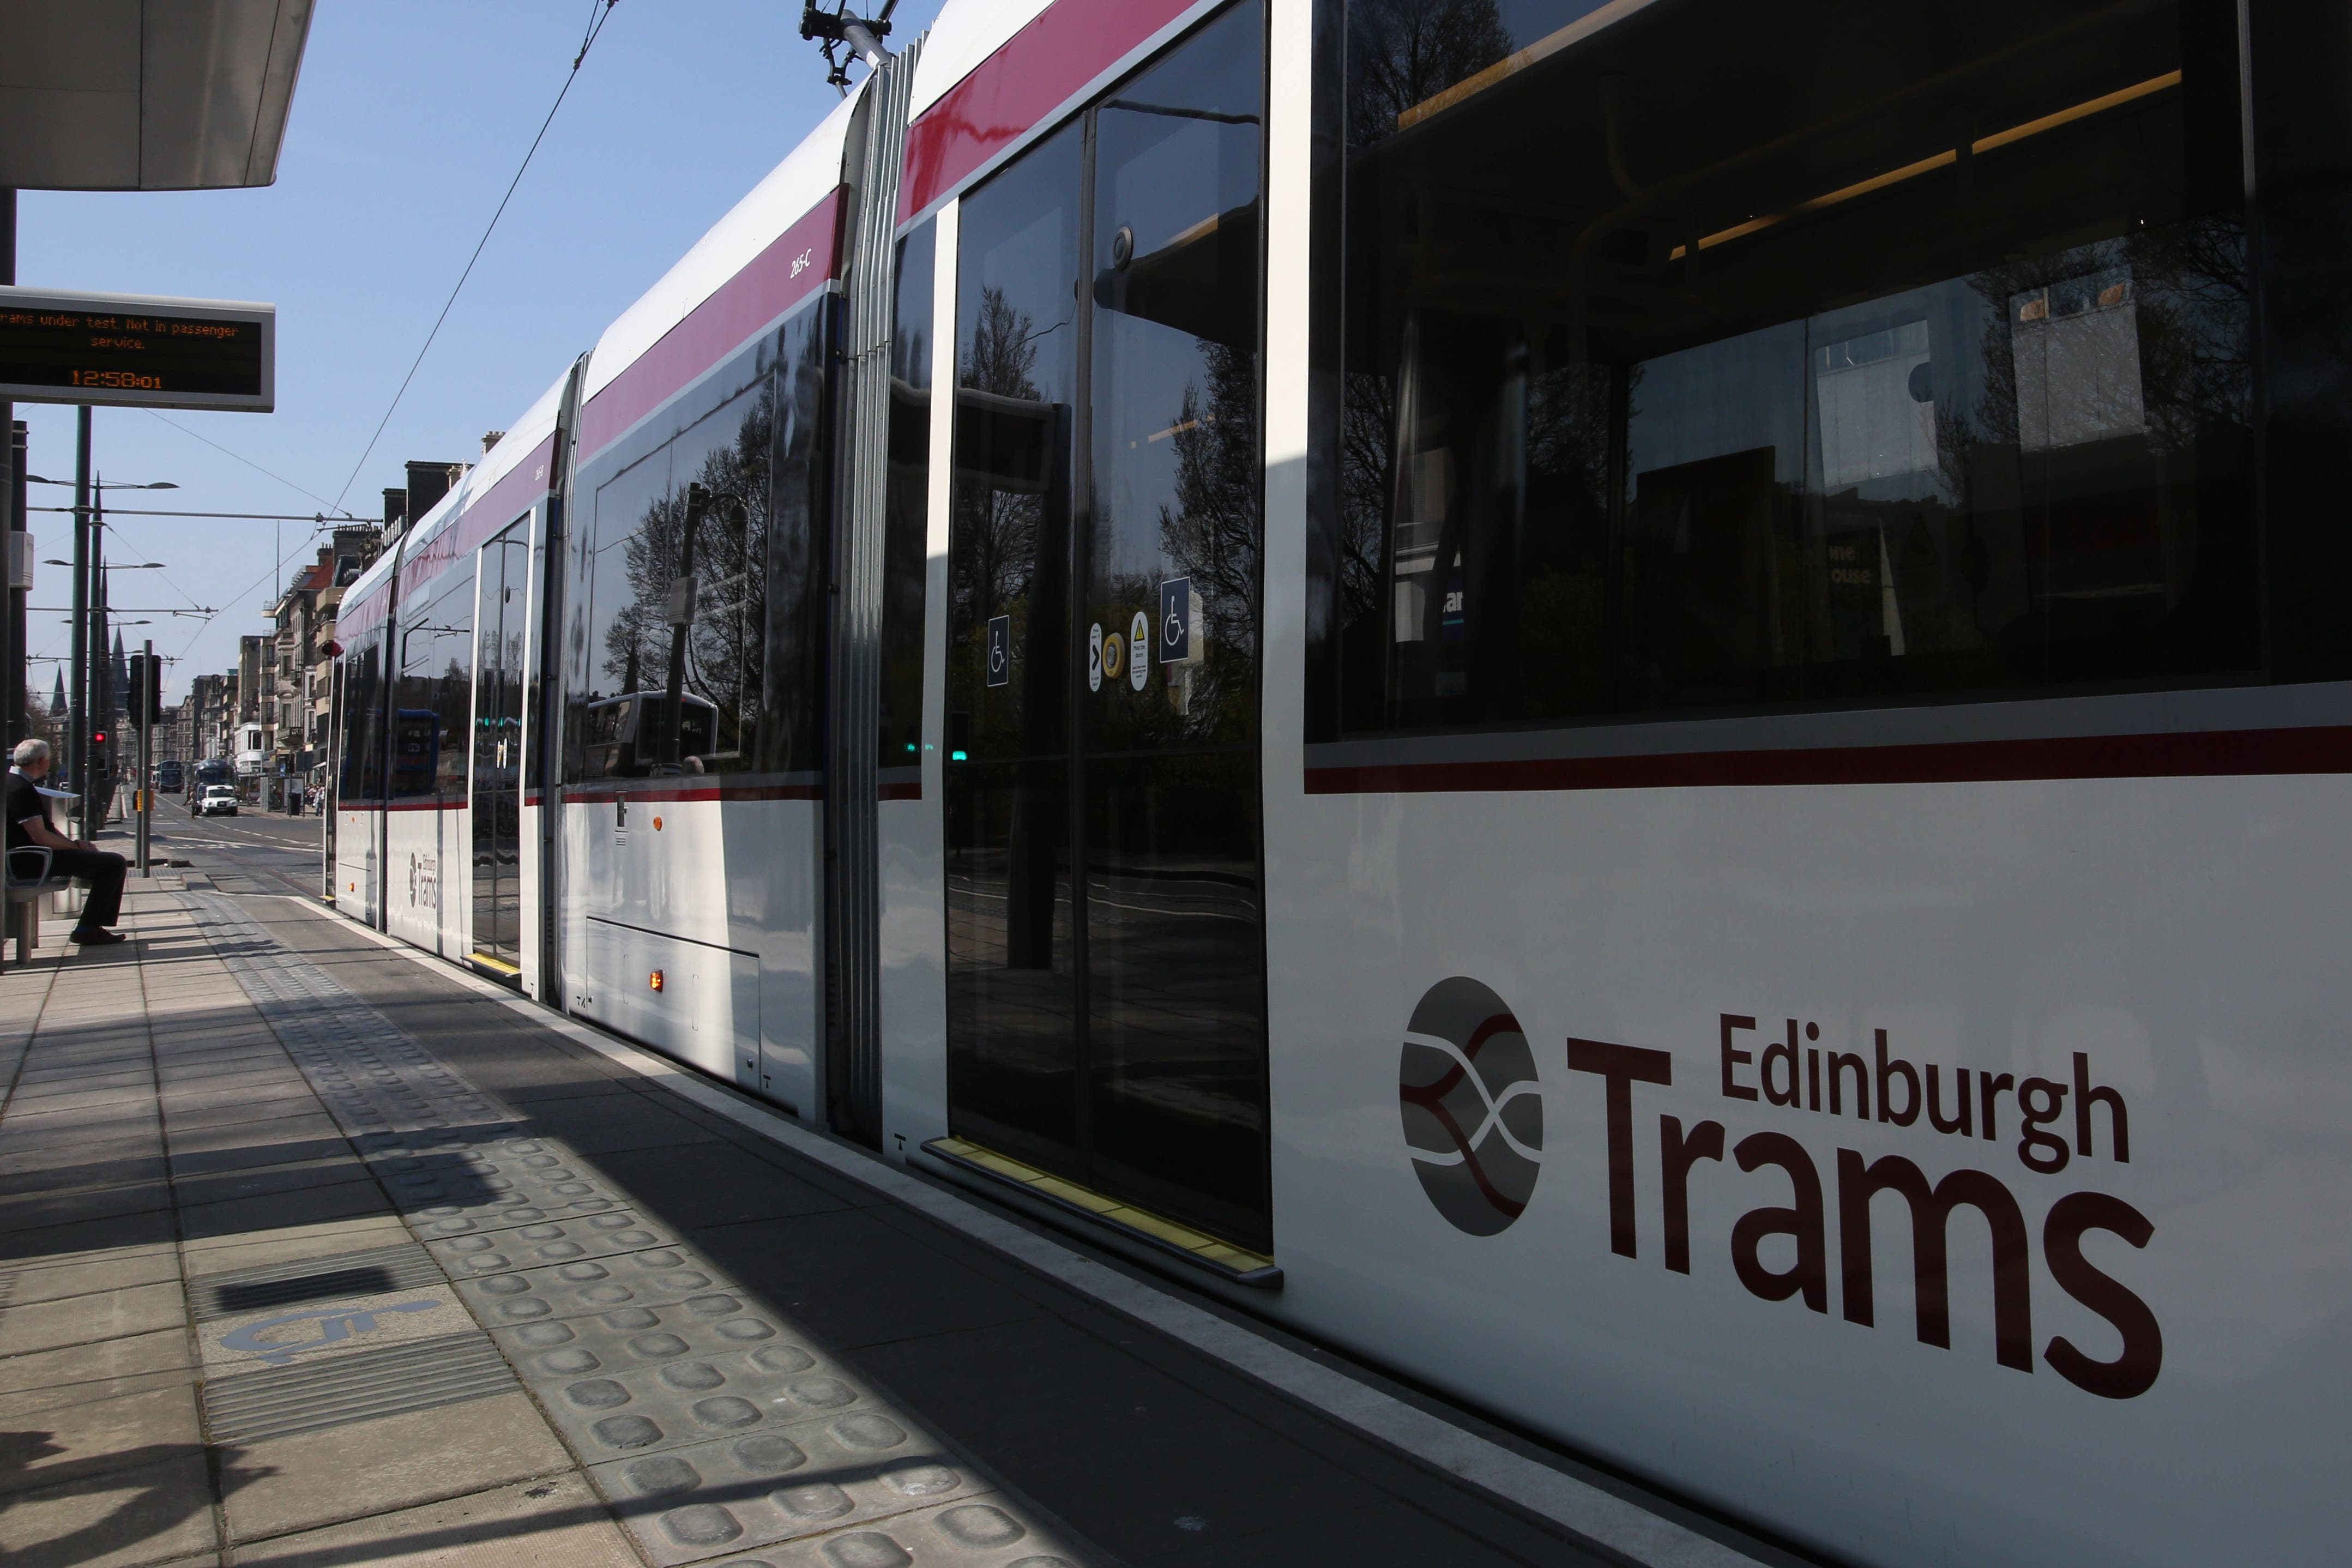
(140, 698)
(76, 757)
(12, 518)
(98, 791)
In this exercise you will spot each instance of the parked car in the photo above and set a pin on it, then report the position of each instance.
(218, 800)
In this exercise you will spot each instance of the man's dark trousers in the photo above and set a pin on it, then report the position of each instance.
(103, 872)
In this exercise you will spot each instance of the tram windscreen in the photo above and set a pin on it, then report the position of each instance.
(1725, 355)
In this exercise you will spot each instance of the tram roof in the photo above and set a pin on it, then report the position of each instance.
(809, 175)
(362, 605)
(422, 534)
(965, 34)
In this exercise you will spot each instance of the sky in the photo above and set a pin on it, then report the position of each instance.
(409, 120)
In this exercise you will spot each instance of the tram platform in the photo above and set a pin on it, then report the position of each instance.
(313, 1251)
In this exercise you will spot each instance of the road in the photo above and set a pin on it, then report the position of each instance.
(252, 852)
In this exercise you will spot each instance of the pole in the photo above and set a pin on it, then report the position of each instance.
(98, 790)
(147, 683)
(77, 717)
(20, 541)
(12, 516)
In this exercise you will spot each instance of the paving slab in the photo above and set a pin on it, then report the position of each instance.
(375, 1466)
(29, 1211)
(44, 1380)
(220, 1254)
(82, 1320)
(86, 1275)
(92, 1436)
(64, 1172)
(557, 1521)
(154, 1512)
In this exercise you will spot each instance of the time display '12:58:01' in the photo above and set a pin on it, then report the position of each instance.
(130, 380)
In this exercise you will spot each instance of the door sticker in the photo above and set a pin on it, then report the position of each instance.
(1000, 650)
(1114, 659)
(1095, 657)
(1176, 620)
(1139, 645)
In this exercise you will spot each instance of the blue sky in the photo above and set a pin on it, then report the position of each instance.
(409, 122)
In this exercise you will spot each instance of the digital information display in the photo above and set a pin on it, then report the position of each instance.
(133, 351)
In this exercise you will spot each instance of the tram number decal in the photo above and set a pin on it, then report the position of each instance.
(803, 262)
(1000, 651)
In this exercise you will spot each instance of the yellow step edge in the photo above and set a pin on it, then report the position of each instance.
(1208, 1248)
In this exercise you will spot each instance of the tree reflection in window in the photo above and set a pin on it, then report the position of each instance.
(725, 646)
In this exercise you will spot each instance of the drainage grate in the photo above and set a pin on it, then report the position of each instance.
(362, 1386)
(374, 1272)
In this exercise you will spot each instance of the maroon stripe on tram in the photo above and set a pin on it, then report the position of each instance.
(2222, 753)
(1031, 75)
(593, 796)
(770, 285)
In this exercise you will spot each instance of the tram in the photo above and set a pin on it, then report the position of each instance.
(1636, 707)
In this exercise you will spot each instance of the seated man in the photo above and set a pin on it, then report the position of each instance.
(29, 828)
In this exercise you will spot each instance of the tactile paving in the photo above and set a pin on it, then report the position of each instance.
(719, 1433)
(812, 1478)
(611, 1411)
(394, 1380)
(370, 1272)
(549, 1241)
(662, 1277)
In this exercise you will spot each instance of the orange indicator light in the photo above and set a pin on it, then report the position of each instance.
(657, 824)
(654, 980)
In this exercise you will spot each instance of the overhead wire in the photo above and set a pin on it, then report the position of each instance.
(248, 462)
(599, 11)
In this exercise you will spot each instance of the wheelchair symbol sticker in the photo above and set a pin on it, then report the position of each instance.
(1000, 651)
(1176, 620)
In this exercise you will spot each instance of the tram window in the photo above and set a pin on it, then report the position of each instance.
(1014, 1064)
(363, 716)
(646, 539)
(791, 724)
(1731, 355)
(434, 697)
(906, 528)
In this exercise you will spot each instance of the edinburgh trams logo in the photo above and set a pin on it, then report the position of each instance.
(1472, 1106)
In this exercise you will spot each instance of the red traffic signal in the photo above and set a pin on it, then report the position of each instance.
(97, 738)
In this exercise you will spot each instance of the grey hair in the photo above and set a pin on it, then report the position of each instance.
(27, 753)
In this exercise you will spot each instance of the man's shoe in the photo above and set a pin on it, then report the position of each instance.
(96, 936)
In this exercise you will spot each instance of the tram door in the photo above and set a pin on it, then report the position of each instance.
(497, 749)
(1105, 944)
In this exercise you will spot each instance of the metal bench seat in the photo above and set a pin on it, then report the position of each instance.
(24, 896)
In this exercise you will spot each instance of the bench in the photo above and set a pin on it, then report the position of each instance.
(25, 898)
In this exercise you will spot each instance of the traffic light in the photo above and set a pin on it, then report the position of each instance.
(145, 700)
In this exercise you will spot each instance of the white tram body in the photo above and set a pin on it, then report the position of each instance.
(1635, 707)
